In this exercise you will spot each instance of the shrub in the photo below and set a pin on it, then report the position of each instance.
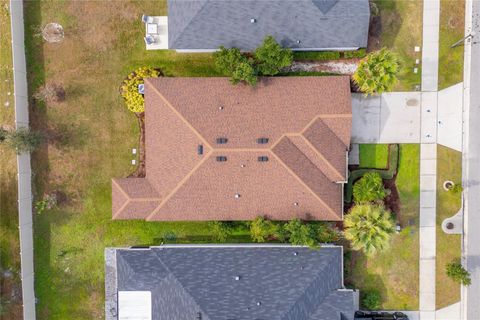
(369, 188)
(3, 134)
(24, 140)
(372, 300)
(377, 72)
(133, 99)
(244, 72)
(368, 228)
(457, 188)
(325, 233)
(360, 53)
(271, 57)
(457, 273)
(233, 63)
(261, 229)
(299, 233)
(220, 230)
(48, 202)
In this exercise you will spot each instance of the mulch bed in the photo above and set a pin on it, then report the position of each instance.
(140, 171)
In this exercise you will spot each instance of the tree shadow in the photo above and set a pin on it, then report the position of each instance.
(384, 18)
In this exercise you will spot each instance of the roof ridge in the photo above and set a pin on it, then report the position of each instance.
(180, 32)
(154, 88)
(125, 195)
(179, 185)
(316, 278)
(300, 179)
(170, 272)
(310, 145)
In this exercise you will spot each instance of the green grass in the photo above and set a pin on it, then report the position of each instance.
(9, 237)
(401, 31)
(394, 273)
(452, 29)
(449, 167)
(374, 156)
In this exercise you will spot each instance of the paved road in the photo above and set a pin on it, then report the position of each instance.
(471, 174)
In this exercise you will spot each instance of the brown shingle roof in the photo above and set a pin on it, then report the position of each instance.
(307, 121)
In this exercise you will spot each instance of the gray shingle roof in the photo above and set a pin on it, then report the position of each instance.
(208, 24)
(275, 283)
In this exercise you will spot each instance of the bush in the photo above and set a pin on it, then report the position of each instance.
(457, 188)
(457, 273)
(271, 57)
(227, 60)
(325, 233)
(377, 72)
(262, 229)
(372, 300)
(220, 230)
(299, 233)
(48, 202)
(134, 100)
(24, 140)
(244, 72)
(360, 53)
(368, 228)
(369, 188)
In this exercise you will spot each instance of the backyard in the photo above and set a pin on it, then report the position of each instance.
(397, 25)
(10, 303)
(449, 167)
(452, 29)
(394, 273)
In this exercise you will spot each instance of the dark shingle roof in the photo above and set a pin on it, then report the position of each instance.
(274, 282)
(208, 24)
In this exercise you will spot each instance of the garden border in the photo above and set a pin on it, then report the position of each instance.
(386, 174)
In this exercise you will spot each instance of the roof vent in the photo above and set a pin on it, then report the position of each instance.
(262, 140)
(221, 108)
(295, 204)
(221, 158)
(295, 253)
(253, 20)
(222, 140)
(242, 165)
(200, 149)
(237, 195)
(237, 278)
(298, 41)
(259, 303)
(263, 159)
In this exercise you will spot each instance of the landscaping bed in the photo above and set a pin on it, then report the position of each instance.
(394, 273)
(449, 167)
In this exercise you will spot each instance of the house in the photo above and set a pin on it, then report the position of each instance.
(215, 151)
(205, 25)
(242, 282)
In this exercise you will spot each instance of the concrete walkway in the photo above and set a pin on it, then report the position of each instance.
(428, 158)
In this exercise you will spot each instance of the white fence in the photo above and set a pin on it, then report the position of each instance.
(23, 161)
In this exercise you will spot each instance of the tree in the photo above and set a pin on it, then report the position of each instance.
(261, 229)
(299, 233)
(271, 57)
(368, 227)
(457, 273)
(377, 72)
(245, 72)
(24, 140)
(220, 230)
(369, 188)
(134, 99)
(227, 60)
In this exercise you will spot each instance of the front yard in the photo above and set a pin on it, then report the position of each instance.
(394, 273)
(449, 167)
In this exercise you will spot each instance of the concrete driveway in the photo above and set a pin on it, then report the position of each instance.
(388, 118)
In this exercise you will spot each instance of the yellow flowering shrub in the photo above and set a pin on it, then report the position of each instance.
(133, 98)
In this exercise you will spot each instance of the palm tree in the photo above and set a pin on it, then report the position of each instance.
(368, 227)
(369, 188)
(377, 72)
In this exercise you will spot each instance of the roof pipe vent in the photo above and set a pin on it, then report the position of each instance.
(253, 20)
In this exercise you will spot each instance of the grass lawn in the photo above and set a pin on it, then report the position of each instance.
(92, 134)
(452, 29)
(449, 167)
(9, 240)
(394, 273)
(373, 156)
(400, 30)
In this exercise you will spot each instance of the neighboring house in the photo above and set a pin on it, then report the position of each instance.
(205, 25)
(215, 151)
(241, 282)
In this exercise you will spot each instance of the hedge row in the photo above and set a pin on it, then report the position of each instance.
(386, 174)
